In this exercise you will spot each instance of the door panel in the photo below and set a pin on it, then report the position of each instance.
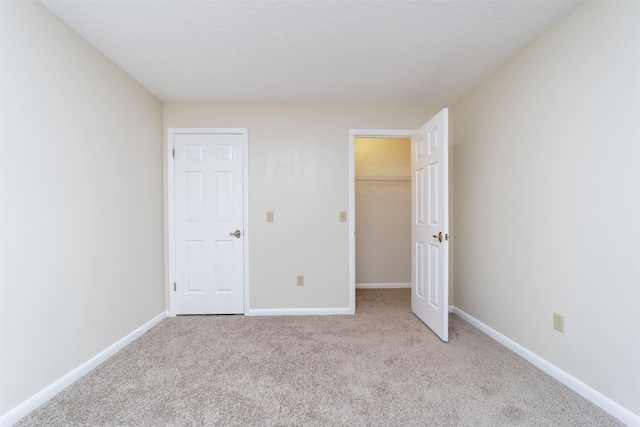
(430, 278)
(207, 211)
(195, 266)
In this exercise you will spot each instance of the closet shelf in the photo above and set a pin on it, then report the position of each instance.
(383, 178)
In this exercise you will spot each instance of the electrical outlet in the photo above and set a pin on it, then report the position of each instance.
(558, 322)
(343, 216)
(269, 216)
(300, 281)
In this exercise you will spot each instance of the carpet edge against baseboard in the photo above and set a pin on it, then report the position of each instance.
(41, 397)
(383, 285)
(298, 311)
(614, 409)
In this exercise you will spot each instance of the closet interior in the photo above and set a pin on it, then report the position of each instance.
(383, 212)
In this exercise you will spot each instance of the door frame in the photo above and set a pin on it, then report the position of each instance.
(353, 134)
(170, 194)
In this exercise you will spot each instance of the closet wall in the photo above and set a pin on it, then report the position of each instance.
(383, 211)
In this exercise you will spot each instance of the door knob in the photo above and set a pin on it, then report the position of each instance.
(439, 237)
(237, 234)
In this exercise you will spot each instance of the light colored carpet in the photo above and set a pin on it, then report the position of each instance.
(380, 367)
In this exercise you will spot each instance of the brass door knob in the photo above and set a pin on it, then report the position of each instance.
(439, 237)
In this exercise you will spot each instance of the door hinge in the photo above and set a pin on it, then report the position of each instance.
(174, 286)
(173, 153)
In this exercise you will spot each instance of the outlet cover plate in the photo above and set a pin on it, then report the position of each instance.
(558, 322)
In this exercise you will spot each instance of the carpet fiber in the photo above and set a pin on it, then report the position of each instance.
(380, 367)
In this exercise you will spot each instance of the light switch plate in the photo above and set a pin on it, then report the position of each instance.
(269, 216)
(343, 216)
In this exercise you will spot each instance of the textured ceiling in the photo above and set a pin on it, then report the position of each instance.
(257, 51)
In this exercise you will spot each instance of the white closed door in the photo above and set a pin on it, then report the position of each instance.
(429, 224)
(208, 223)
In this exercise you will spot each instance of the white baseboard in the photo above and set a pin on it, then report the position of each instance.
(51, 390)
(298, 311)
(613, 408)
(382, 285)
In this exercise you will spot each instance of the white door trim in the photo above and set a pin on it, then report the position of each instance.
(353, 134)
(169, 192)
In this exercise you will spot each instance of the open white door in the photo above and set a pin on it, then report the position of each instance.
(430, 224)
(208, 221)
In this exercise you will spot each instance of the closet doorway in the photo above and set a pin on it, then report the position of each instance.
(429, 218)
(383, 212)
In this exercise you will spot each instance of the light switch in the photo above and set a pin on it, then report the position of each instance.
(269, 216)
(343, 216)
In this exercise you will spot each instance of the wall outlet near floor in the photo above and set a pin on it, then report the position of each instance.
(558, 322)
(300, 281)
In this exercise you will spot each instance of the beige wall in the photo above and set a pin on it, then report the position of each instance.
(383, 210)
(82, 254)
(546, 198)
(298, 168)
